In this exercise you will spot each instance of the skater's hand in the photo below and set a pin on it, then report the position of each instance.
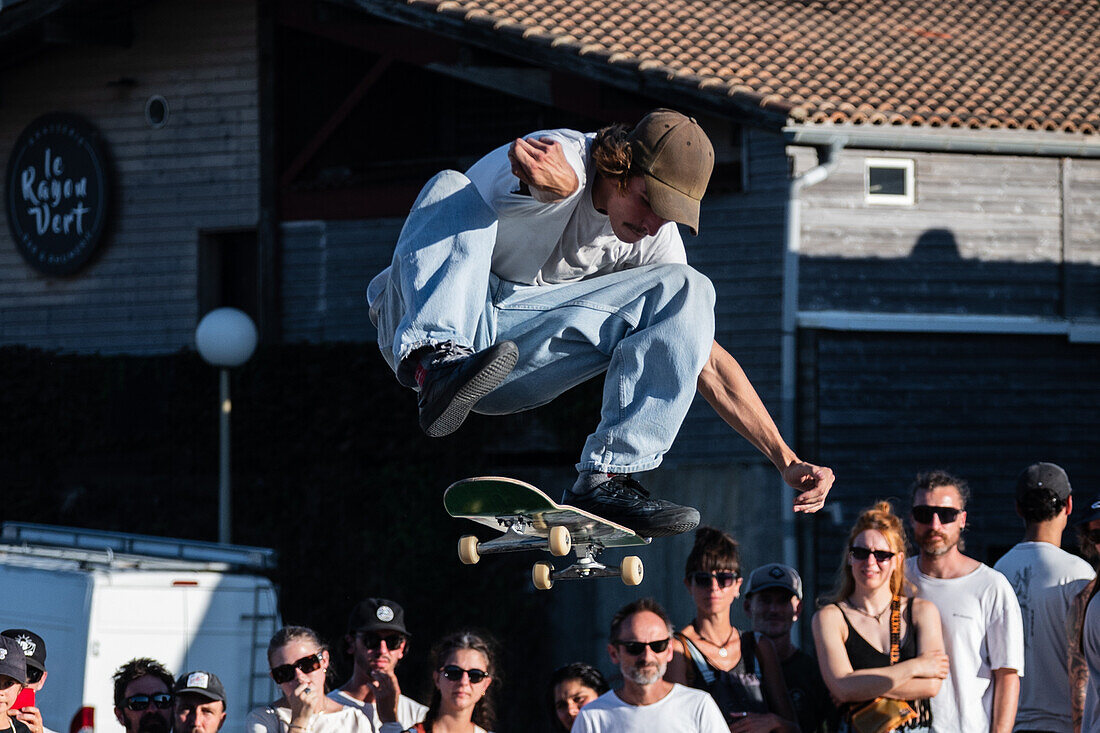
(386, 693)
(812, 482)
(542, 165)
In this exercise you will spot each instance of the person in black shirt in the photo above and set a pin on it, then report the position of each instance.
(773, 602)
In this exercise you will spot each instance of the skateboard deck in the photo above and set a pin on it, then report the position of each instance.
(530, 520)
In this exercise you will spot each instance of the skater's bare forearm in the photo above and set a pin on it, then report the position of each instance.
(724, 384)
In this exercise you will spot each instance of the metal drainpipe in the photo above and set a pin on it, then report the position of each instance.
(827, 157)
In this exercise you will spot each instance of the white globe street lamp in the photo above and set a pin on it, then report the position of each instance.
(226, 337)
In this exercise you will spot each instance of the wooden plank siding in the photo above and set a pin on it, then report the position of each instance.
(1082, 227)
(198, 172)
(326, 266)
(984, 236)
(740, 248)
(980, 406)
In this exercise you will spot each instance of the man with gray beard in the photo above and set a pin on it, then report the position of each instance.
(640, 636)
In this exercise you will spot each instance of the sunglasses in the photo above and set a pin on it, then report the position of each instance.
(924, 514)
(862, 553)
(33, 675)
(137, 703)
(285, 672)
(454, 673)
(637, 648)
(725, 578)
(374, 641)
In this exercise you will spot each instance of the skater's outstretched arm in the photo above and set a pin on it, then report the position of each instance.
(724, 384)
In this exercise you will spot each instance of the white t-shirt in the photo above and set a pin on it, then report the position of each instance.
(1090, 634)
(1046, 579)
(409, 711)
(277, 720)
(564, 241)
(982, 632)
(683, 710)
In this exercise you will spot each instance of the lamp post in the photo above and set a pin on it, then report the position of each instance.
(226, 337)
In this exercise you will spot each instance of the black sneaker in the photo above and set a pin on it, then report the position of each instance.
(621, 499)
(456, 378)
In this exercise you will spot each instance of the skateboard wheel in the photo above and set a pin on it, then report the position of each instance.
(540, 575)
(631, 570)
(467, 549)
(560, 541)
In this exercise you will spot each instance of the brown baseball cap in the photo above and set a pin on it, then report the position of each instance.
(677, 159)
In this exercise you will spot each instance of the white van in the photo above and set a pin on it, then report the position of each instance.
(99, 599)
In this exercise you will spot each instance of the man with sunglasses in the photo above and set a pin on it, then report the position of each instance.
(1046, 579)
(376, 641)
(982, 630)
(143, 696)
(640, 636)
(34, 648)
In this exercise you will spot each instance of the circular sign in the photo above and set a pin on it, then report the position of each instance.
(57, 193)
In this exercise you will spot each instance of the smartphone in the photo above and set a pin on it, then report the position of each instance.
(25, 699)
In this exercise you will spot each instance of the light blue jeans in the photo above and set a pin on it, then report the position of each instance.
(650, 328)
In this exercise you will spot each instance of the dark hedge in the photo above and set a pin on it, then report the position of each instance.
(329, 468)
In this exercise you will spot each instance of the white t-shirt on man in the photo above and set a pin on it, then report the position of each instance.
(683, 710)
(409, 711)
(982, 631)
(567, 240)
(1046, 579)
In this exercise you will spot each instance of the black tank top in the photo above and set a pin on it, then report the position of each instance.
(864, 656)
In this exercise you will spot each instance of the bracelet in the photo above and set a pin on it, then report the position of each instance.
(299, 727)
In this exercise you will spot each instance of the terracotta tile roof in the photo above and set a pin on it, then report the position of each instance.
(981, 64)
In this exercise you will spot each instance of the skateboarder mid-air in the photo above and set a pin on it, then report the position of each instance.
(556, 258)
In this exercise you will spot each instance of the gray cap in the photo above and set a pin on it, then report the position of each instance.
(775, 575)
(13, 662)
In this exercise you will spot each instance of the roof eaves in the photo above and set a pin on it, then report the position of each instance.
(950, 140)
(566, 53)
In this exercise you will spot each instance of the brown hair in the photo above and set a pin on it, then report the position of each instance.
(882, 519)
(484, 713)
(613, 156)
(713, 550)
(288, 634)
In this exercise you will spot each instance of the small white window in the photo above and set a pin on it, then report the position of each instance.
(889, 181)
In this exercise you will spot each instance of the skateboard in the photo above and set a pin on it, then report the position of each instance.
(530, 520)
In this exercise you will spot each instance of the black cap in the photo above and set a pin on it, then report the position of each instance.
(1040, 476)
(377, 614)
(202, 683)
(33, 646)
(13, 662)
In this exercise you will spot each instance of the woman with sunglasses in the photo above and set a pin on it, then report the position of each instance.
(740, 671)
(299, 663)
(463, 668)
(872, 621)
(571, 688)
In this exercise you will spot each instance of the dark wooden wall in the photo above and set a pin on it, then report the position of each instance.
(200, 171)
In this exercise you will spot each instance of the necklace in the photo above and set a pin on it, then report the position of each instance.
(876, 616)
(721, 647)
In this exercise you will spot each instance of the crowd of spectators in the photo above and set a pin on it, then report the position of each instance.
(929, 641)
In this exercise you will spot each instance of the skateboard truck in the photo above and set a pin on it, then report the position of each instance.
(544, 576)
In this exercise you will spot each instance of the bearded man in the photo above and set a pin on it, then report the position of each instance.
(982, 626)
(641, 633)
